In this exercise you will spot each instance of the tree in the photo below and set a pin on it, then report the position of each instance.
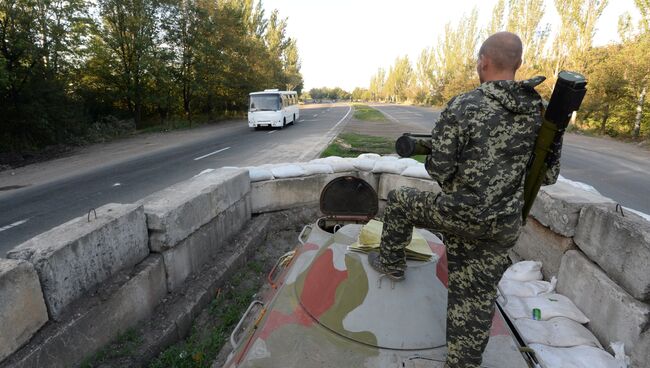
(127, 32)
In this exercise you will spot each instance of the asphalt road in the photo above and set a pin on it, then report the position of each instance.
(28, 211)
(618, 170)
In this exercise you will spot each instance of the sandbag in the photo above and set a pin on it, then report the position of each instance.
(416, 171)
(409, 161)
(313, 169)
(363, 164)
(575, 357)
(388, 166)
(341, 164)
(559, 332)
(526, 288)
(260, 174)
(550, 305)
(388, 158)
(287, 171)
(524, 271)
(370, 156)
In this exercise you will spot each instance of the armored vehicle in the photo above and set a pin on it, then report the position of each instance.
(328, 308)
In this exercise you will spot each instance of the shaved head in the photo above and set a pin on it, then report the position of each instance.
(504, 50)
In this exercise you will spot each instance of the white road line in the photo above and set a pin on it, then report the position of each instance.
(272, 131)
(315, 115)
(117, 184)
(389, 116)
(211, 153)
(329, 133)
(17, 223)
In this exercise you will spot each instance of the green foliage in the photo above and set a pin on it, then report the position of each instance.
(367, 113)
(618, 74)
(351, 145)
(65, 65)
(201, 347)
(335, 93)
(125, 345)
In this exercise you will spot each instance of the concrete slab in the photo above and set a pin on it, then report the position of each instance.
(620, 245)
(613, 313)
(558, 206)
(282, 194)
(388, 182)
(73, 257)
(205, 243)
(22, 308)
(96, 321)
(641, 353)
(539, 243)
(177, 211)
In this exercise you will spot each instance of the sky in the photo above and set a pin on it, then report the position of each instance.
(343, 42)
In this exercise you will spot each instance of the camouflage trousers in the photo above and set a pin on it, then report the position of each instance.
(477, 257)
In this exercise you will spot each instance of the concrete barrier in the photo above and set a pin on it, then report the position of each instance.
(73, 257)
(558, 206)
(95, 321)
(282, 194)
(176, 212)
(539, 243)
(389, 182)
(206, 243)
(22, 308)
(620, 245)
(613, 313)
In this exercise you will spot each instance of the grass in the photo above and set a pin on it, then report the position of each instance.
(203, 345)
(351, 145)
(367, 113)
(126, 344)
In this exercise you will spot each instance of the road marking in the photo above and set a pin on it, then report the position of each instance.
(272, 131)
(315, 115)
(211, 153)
(302, 157)
(17, 223)
(204, 172)
(389, 116)
(117, 184)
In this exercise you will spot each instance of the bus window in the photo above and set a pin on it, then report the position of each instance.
(261, 102)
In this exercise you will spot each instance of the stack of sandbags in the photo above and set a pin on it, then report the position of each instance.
(558, 335)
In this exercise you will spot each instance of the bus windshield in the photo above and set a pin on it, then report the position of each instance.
(270, 102)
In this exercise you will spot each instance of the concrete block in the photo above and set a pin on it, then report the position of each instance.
(558, 206)
(282, 194)
(539, 243)
(176, 212)
(73, 257)
(613, 313)
(205, 243)
(388, 182)
(641, 352)
(619, 245)
(22, 308)
(98, 320)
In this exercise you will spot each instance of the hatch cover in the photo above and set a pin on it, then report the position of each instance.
(342, 292)
(349, 197)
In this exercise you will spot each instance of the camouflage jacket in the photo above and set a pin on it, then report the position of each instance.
(481, 146)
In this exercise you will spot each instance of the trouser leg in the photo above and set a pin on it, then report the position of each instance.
(405, 208)
(474, 271)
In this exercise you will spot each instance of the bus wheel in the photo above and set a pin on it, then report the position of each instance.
(294, 119)
(284, 123)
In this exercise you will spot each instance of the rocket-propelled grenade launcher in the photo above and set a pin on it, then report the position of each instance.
(567, 96)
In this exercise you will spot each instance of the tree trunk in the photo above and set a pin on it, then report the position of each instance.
(603, 123)
(639, 113)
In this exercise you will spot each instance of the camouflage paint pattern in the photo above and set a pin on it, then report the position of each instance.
(481, 146)
(325, 313)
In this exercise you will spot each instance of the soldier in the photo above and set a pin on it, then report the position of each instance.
(480, 148)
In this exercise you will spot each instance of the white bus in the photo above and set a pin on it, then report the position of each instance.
(273, 108)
